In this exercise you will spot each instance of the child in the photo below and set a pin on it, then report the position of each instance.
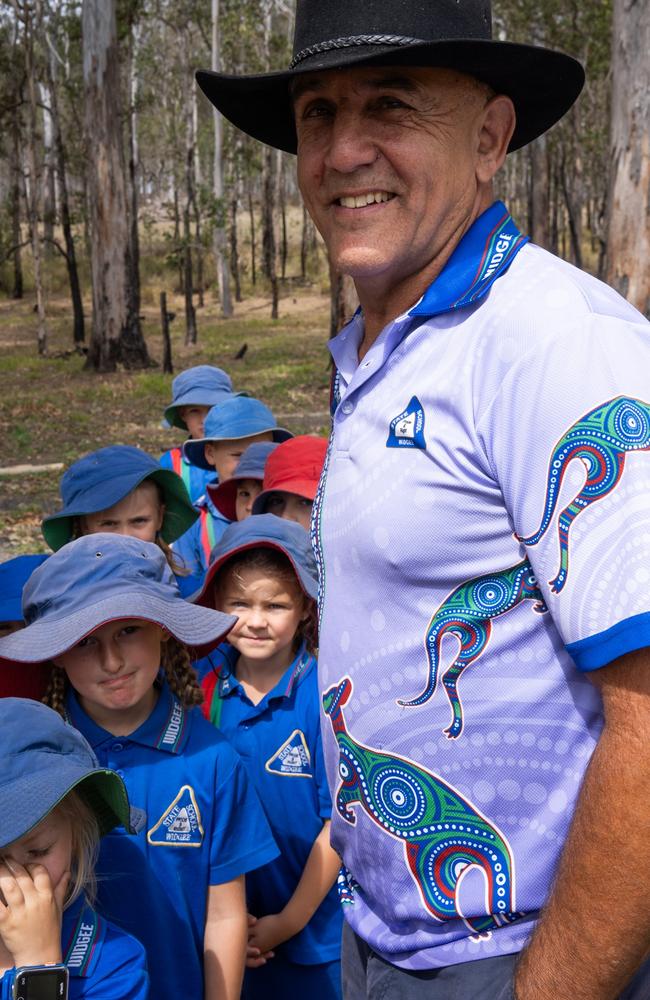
(18, 682)
(229, 429)
(56, 803)
(291, 479)
(106, 612)
(194, 392)
(264, 697)
(234, 499)
(122, 489)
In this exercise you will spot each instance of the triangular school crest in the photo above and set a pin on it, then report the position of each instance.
(180, 824)
(292, 759)
(407, 428)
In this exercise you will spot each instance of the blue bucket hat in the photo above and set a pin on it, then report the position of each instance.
(250, 466)
(238, 417)
(203, 385)
(103, 478)
(14, 574)
(102, 578)
(43, 759)
(264, 531)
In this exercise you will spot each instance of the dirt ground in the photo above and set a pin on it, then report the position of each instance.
(52, 411)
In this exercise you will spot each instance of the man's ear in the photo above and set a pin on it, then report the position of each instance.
(497, 126)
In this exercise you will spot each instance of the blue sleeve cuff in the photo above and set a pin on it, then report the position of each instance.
(598, 650)
(6, 984)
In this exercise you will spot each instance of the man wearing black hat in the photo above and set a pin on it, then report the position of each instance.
(484, 504)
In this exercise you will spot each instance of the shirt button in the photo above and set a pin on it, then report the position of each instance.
(117, 747)
(347, 407)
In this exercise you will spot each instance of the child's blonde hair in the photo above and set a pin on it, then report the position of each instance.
(175, 661)
(277, 565)
(84, 830)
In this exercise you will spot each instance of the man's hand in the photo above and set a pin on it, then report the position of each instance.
(30, 919)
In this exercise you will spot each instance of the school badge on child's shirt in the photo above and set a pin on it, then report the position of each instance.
(407, 428)
(292, 758)
(180, 824)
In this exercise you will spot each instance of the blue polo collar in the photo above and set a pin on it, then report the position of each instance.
(166, 728)
(228, 682)
(486, 250)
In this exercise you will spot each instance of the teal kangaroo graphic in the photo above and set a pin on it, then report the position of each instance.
(443, 834)
(467, 614)
(601, 440)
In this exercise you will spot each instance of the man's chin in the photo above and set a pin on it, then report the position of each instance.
(360, 263)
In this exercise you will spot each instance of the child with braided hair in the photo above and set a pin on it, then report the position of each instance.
(106, 613)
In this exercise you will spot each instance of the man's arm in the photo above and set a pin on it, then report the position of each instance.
(594, 931)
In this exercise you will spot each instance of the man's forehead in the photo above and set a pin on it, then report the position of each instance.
(406, 78)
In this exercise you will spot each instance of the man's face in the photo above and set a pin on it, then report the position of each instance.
(387, 164)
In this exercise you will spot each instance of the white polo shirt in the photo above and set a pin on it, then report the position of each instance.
(511, 404)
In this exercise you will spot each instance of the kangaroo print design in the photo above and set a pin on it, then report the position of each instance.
(467, 614)
(443, 834)
(601, 440)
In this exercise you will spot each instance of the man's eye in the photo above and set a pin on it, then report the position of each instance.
(316, 110)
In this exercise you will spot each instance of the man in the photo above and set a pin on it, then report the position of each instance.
(484, 504)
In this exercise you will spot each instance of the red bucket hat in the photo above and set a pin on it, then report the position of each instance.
(294, 467)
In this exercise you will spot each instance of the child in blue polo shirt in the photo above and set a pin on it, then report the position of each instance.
(20, 682)
(194, 392)
(264, 697)
(230, 428)
(106, 612)
(56, 804)
(123, 489)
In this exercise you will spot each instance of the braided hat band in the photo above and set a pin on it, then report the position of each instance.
(350, 42)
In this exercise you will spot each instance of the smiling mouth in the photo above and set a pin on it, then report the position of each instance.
(363, 200)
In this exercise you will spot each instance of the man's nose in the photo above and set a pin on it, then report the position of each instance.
(350, 144)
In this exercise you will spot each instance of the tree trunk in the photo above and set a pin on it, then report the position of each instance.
(628, 232)
(219, 239)
(33, 187)
(343, 300)
(234, 245)
(268, 230)
(283, 216)
(538, 203)
(15, 172)
(116, 334)
(133, 302)
(49, 186)
(251, 216)
(188, 280)
(78, 327)
(167, 366)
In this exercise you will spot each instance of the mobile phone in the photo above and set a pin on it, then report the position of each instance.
(45, 982)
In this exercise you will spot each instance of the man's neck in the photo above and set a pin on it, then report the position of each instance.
(381, 304)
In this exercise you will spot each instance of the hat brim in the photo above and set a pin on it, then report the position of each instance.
(102, 790)
(224, 497)
(194, 451)
(204, 597)
(199, 629)
(196, 397)
(542, 84)
(180, 514)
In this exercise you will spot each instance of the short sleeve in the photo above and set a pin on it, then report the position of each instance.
(320, 780)
(567, 435)
(241, 836)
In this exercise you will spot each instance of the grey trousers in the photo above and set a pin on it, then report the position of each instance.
(366, 976)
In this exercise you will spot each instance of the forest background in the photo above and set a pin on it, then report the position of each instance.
(140, 233)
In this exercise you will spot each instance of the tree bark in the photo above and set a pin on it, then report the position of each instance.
(167, 366)
(343, 300)
(116, 334)
(15, 172)
(251, 216)
(628, 232)
(539, 191)
(219, 239)
(133, 300)
(268, 229)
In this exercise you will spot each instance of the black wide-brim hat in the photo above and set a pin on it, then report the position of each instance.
(450, 34)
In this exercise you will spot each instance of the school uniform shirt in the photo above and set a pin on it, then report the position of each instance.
(279, 741)
(485, 505)
(195, 478)
(202, 825)
(103, 962)
(194, 547)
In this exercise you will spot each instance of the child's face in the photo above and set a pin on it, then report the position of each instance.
(269, 611)
(140, 514)
(48, 844)
(193, 418)
(225, 455)
(113, 672)
(247, 492)
(291, 507)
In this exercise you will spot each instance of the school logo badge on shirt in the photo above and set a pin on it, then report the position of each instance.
(292, 759)
(180, 824)
(407, 428)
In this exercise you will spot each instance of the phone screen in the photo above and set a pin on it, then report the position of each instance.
(41, 984)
